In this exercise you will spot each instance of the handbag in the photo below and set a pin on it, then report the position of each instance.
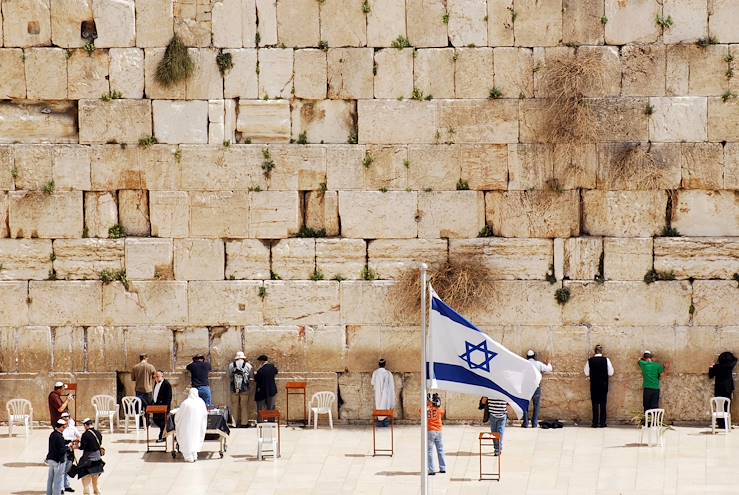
(486, 412)
(72, 472)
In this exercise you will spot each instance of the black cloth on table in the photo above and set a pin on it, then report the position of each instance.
(217, 420)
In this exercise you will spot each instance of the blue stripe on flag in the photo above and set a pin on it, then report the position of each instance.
(458, 374)
(440, 306)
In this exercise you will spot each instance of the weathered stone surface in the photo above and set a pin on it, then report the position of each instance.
(145, 303)
(643, 70)
(298, 23)
(715, 302)
(582, 257)
(543, 166)
(344, 169)
(386, 169)
(341, 258)
(631, 22)
(227, 23)
(323, 121)
(425, 24)
(450, 214)
(275, 72)
(624, 213)
(378, 215)
(731, 166)
(538, 22)
(702, 165)
(267, 18)
(658, 166)
(152, 168)
(24, 122)
(533, 213)
(46, 73)
(26, 23)
(273, 214)
(264, 121)
(127, 71)
(479, 121)
(242, 80)
(368, 303)
(721, 20)
(385, 22)
(510, 300)
(294, 259)
(217, 168)
(115, 21)
(467, 22)
(433, 166)
(697, 257)
(236, 302)
(87, 75)
(484, 167)
(389, 258)
(473, 70)
(13, 78)
(148, 259)
(35, 343)
(156, 341)
(723, 119)
(61, 303)
(68, 344)
(27, 259)
(219, 214)
(154, 23)
(343, 23)
(301, 302)
(66, 17)
(393, 70)
(133, 212)
(514, 71)
(581, 22)
(506, 259)
(14, 310)
(247, 259)
(678, 119)
(358, 395)
(79, 259)
(433, 72)
(123, 121)
(500, 22)
(101, 213)
(180, 122)
(169, 213)
(322, 211)
(706, 213)
(627, 258)
(398, 346)
(310, 74)
(35, 214)
(690, 21)
(694, 70)
(349, 73)
(199, 259)
(378, 123)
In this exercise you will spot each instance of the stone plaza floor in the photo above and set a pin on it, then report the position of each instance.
(572, 460)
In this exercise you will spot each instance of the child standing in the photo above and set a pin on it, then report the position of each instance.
(434, 413)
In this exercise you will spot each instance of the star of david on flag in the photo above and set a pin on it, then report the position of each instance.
(461, 358)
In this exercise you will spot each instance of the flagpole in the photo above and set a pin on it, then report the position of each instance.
(424, 420)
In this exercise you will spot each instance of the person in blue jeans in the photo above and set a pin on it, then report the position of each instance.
(536, 398)
(434, 414)
(497, 409)
(199, 370)
(56, 459)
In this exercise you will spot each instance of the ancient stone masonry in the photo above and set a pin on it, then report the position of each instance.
(322, 148)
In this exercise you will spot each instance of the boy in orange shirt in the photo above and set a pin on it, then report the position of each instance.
(434, 413)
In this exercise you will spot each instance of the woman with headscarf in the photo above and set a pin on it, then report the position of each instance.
(722, 373)
(191, 421)
(90, 465)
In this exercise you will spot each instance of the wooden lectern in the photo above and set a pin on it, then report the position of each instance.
(379, 413)
(156, 410)
(487, 440)
(296, 388)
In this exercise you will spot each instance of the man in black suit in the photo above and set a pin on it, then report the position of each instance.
(162, 396)
(266, 385)
(598, 369)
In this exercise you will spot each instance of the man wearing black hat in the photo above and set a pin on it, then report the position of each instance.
(56, 459)
(598, 368)
(264, 379)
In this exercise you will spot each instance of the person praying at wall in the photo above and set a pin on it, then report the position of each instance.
(384, 385)
(723, 374)
(199, 370)
(191, 421)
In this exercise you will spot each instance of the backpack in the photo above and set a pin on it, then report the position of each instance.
(240, 377)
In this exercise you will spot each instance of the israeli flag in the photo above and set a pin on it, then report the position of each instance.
(461, 358)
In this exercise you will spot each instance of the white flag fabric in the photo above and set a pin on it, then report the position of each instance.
(463, 359)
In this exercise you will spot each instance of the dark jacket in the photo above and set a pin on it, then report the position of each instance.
(598, 377)
(199, 373)
(722, 372)
(90, 462)
(57, 447)
(165, 394)
(264, 379)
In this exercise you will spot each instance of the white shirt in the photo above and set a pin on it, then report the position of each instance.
(543, 368)
(608, 363)
(71, 432)
(157, 386)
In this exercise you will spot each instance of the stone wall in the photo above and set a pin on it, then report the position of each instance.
(399, 128)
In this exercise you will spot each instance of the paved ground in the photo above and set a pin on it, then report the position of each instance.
(572, 460)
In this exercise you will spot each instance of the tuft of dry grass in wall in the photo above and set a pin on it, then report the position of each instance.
(176, 64)
(636, 164)
(465, 285)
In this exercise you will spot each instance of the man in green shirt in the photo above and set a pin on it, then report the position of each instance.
(651, 372)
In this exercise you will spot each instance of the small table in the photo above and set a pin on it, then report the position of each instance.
(272, 415)
(156, 410)
(216, 429)
(379, 413)
(487, 439)
(296, 388)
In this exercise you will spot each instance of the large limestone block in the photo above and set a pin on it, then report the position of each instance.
(264, 121)
(13, 77)
(68, 166)
(286, 346)
(275, 72)
(695, 70)
(706, 213)
(247, 259)
(506, 259)
(344, 169)
(721, 20)
(133, 212)
(690, 21)
(26, 23)
(357, 394)
(400, 347)
(473, 69)
(479, 121)
(267, 23)
(61, 303)
(467, 22)
(154, 23)
(659, 166)
(678, 119)
(387, 169)
(545, 166)
(341, 258)
(115, 21)
(697, 257)
(702, 165)
(484, 167)
(155, 90)
(643, 70)
(33, 168)
(533, 213)
(36, 345)
(68, 348)
(582, 257)
(378, 121)
(123, 121)
(538, 23)
(225, 342)
(723, 119)
(301, 302)
(104, 345)
(369, 303)
(296, 167)
(310, 74)
(323, 121)
(343, 23)
(385, 22)
(227, 18)
(425, 23)
(156, 341)
(242, 80)
(389, 258)
(273, 214)
(626, 258)
(114, 167)
(731, 166)
(148, 259)
(225, 302)
(219, 214)
(217, 168)
(35, 214)
(519, 302)
(101, 213)
(628, 303)
(433, 166)
(393, 73)
(294, 259)
(500, 22)
(624, 213)
(322, 211)
(350, 73)
(169, 213)
(145, 303)
(46, 73)
(127, 71)
(87, 75)
(433, 72)
(514, 71)
(378, 215)
(451, 214)
(715, 302)
(14, 303)
(25, 259)
(632, 22)
(181, 121)
(7, 158)
(24, 122)
(76, 259)
(206, 82)
(298, 23)
(581, 23)
(4, 204)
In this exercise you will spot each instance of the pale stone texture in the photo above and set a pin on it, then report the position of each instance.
(631, 22)
(350, 73)
(322, 211)
(643, 70)
(510, 299)
(247, 259)
(690, 21)
(378, 122)
(65, 303)
(233, 168)
(425, 24)
(706, 213)
(485, 167)
(219, 214)
(387, 167)
(697, 257)
(123, 121)
(310, 73)
(26, 259)
(731, 166)
(46, 73)
(433, 166)
(199, 259)
(115, 21)
(721, 20)
(66, 17)
(343, 23)
(533, 213)
(101, 213)
(377, 215)
(368, 343)
(235, 302)
(51, 216)
(624, 213)
(133, 212)
(227, 19)
(242, 80)
(297, 168)
(368, 303)
(500, 22)
(79, 259)
(180, 122)
(581, 22)
(264, 121)
(14, 298)
(152, 168)
(154, 23)
(275, 72)
(13, 77)
(659, 166)
(267, 18)
(514, 71)
(344, 168)
(148, 259)
(723, 119)
(627, 258)
(467, 22)
(127, 72)
(715, 302)
(538, 23)
(294, 259)
(24, 122)
(473, 71)
(26, 23)
(340, 258)
(702, 166)
(68, 167)
(678, 119)
(433, 72)
(450, 214)
(385, 22)
(323, 121)
(298, 23)
(478, 121)
(506, 259)
(273, 214)
(290, 303)
(695, 70)
(87, 75)
(393, 73)
(389, 258)
(543, 166)
(145, 303)
(582, 257)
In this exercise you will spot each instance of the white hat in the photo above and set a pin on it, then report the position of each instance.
(648, 352)
(530, 353)
(86, 421)
(65, 414)
(58, 384)
(240, 355)
(60, 422)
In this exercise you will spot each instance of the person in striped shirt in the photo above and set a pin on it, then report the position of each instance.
(497, 410)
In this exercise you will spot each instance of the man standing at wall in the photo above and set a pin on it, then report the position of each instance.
(57, 405)
(384, 385)
(199, 370)
(143, 375)
(598, 368)
(651, 372)
(536, 398)
(266, 386)
(241, 373)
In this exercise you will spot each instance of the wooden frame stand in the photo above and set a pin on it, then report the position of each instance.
(155, 410)
(296, 388)
(487, 440)
(390, 414)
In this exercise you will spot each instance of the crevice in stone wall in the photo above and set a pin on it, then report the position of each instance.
(581, 214)
(174, 349)
(671, 197)
(85, 349)
(52, 341)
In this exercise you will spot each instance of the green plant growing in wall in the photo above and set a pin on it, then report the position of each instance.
(227, 143)
(257, 38)
(495, 93)
(176, 64)
(303, 138)
(352, 138)
(736, 279)
(262, 293)
(111, 95)
(401, 42)
(274, 276)
(268, 165)
(514, 14)
(562, 295)
(367, 160)
(369, 274)
(445, 18)
(310, 233)
(407, 163)
(145, 142)
(727, 96)
(117, 231)
(323, 45)
(178, 155)
(463, 185)
(670, 232)
(366, 7)
(486, 231)
(49, 188)
(338, 278)
(604, 20)
(664, 22)
(109, 276)
(708, 40)
(383, 189)
(89, 48)
(418, 95)
(14, 172)
(550, 276)
(52, 275)
(648, 110)
(316, 275)
(225, 62)
(655, 275)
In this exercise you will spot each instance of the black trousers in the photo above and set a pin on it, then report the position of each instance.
(599, 412)
(651, 398)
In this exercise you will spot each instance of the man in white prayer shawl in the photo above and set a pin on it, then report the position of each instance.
(384, 385)
(190, 423)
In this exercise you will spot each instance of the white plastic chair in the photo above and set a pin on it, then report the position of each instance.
(653, 426)
(720, 409)
(19, 411)
(267, 437)
(321, 403)
(105, 408)
(132, 409)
